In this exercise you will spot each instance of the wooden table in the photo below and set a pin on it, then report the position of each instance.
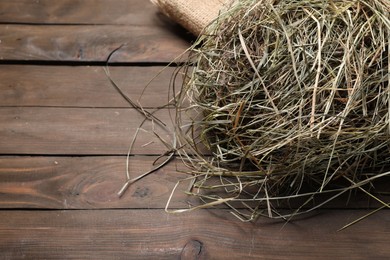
(65, 132)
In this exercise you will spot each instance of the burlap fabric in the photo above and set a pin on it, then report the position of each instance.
(194, 15)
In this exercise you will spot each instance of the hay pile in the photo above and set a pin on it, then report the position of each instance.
(291, 99)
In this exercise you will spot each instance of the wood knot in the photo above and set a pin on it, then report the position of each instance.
(141, 192)
(192, 250)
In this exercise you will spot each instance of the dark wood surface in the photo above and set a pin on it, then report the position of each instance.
(206, 234)
(52, 86)
(64, 136)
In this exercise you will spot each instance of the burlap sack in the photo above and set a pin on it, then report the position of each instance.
(194, 15)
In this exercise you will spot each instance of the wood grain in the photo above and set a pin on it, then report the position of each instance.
(85, 183)
(89, 43)
(79, 12)
(153, 234)
(83, 86)
(91, 182)
(78, 131)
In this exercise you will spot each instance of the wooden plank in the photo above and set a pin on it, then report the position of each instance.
(93, 182)
(76, 131)
(89, 43)
(85, 183)
(82, 86)
(129, 12)
(153, 234)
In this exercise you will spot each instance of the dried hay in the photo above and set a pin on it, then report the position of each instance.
(291, 99)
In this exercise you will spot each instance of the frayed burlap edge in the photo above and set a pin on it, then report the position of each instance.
(194, 15)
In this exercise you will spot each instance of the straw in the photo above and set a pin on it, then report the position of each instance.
(287, 99)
